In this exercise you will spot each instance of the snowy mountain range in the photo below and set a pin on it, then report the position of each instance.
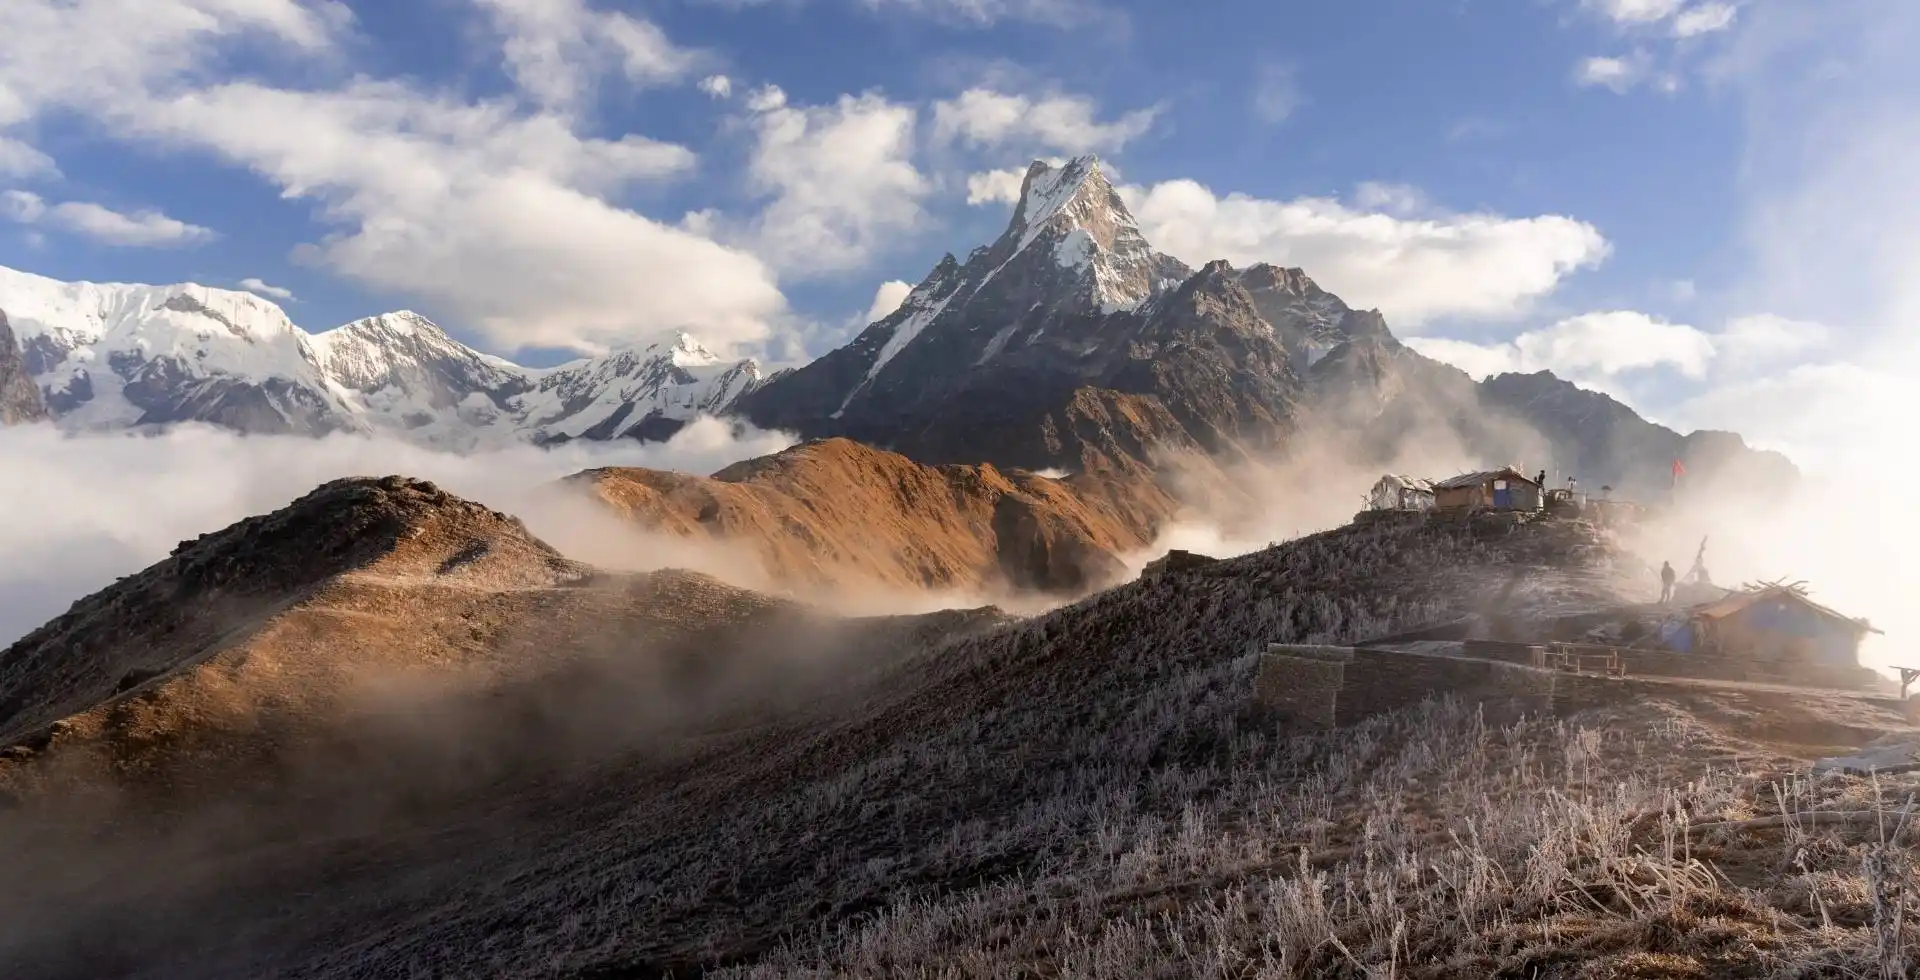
(115, 356)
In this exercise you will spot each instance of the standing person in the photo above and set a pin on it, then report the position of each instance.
(1666, 582)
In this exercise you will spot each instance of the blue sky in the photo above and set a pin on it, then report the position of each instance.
(1692, 203)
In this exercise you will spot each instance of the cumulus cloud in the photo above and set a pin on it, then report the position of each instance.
(1414, 270)
(1591, 346)
(18, 159)
(1615, 74)
(1704, 18)
(145, 228)
(498, 216)
(718, 86)
(87, 529)
(555, 50)
(840, 178)
(280, 293)
(1635, 11)
(886, 299)
(995, 186)
(984, 117)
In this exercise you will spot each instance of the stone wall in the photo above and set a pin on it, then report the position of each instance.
(1329, 687)
(1382, 680)
(1301, 685)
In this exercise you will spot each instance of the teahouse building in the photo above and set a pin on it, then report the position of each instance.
(1773, 623)
(1501, 489)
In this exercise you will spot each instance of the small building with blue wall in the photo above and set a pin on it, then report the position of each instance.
(1776, 624)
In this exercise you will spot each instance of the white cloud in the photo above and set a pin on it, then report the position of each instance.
(983, 13)
(886, 299)
(87, 52)
(18, 159)
(1683, 20)
(1276, 93)
(145, 228)
(498, 216)
(766, 98)
(718, 86)
(841, 179)
(1065, 123)
(255, 285)
(1480, 265)
(1636, 12)
(22, 207)
(1616, 74)
(556, 49)
(1764, 340)
(1705, 18)
(1592, 347)
(1396, 199)
(87, 529)
(995, 186)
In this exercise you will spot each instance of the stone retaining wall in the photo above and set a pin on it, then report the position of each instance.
(1301, 685)
(1319, 688)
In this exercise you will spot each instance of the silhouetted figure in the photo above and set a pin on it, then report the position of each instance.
(1666, 582)
(1542, 480)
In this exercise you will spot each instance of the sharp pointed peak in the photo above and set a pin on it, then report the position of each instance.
(1074, 188)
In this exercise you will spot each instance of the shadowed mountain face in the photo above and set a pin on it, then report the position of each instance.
(1069, 342)
(20, 400)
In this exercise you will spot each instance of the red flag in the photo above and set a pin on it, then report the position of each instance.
(1678, 469)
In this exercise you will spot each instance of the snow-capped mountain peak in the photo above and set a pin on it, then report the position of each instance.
(119, 355)
(685, 351)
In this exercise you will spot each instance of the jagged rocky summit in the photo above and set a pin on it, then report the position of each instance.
(1069, 342)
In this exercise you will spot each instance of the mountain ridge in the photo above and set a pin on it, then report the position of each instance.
(123, 355)
(1069, 342)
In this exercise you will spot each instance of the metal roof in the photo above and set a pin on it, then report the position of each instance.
(1475, 479)
(1734, 602)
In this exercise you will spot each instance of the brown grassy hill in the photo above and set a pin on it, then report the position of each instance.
(354, 606)
(837, 512)
(1084, 794)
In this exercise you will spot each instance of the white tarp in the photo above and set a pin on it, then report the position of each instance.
(1395, 492)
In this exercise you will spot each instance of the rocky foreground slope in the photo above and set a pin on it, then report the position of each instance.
(1083, 793)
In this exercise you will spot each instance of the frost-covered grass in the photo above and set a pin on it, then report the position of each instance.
(1430, 844)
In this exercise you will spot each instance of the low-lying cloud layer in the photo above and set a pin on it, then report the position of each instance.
(83, 510)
